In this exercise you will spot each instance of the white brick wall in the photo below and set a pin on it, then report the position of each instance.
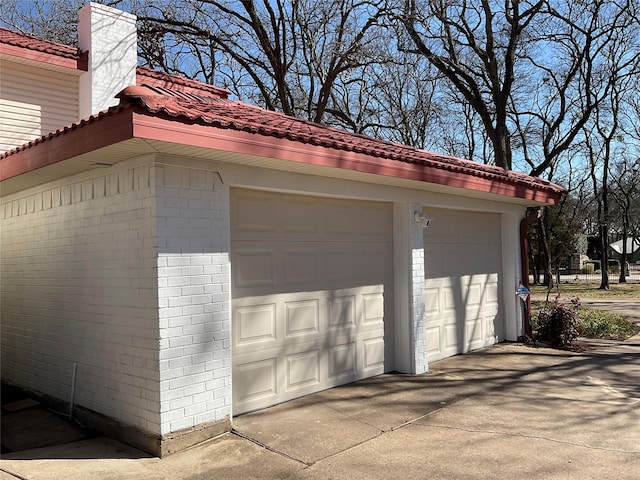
(194, 297)
(78, 281)
(110, 36)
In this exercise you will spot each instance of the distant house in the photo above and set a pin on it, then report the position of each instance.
(189, 257)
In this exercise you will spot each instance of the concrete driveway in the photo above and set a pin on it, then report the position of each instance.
(509, 411)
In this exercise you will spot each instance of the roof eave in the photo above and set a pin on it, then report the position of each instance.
(123, 123)
(237, 141)
(89, 135)
(79, 62)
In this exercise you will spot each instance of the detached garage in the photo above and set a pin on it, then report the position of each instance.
(181, 258)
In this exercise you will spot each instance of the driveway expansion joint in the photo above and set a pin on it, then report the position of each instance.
(522, 435)
(15, 475)
(267, 447)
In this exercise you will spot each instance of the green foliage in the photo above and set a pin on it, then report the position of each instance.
(597, 324)
(557, 324)
(587, 322)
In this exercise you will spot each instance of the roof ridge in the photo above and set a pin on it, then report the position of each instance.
(172, 80)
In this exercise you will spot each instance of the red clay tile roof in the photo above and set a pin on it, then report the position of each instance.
(188, 101)
(31, 42)
(177, 83)
(210, 110)
(235, 115)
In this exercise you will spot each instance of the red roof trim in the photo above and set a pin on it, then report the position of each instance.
(162, 129)
(29, 47)
(185, 118)
(96, 132)
(238, 116)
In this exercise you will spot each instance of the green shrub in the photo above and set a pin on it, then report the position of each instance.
(556, 323)
(588, 322)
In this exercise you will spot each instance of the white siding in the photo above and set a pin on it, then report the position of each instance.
(34, 102)
(79, 284)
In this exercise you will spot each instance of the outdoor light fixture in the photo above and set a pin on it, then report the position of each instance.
(422, 218)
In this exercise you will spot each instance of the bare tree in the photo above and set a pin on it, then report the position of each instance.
(600, 142)
(626, 188)
(54, 20)
(475, 45)
(581, 53)
(287, 56)
(408, 107)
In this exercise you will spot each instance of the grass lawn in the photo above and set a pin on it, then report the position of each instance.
(617, 291)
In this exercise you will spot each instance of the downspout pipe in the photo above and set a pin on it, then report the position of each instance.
(532, 216)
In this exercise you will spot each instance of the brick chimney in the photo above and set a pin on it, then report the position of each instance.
(110, 37)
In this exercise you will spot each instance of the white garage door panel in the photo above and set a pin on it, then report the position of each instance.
(312, 285)
(462, 264)
(270, 376)
(290, 265)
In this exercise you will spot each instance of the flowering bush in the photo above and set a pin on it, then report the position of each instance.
(557, 323)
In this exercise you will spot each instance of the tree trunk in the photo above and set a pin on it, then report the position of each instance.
(533, 262)
(604, 257)
(623, 260)
(548, 271)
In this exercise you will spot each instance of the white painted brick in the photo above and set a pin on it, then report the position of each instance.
(169, 353)
(195, 369)
(200, 250)
(168, 394)
(193, 329)
(216, 404)
(195, 410)
(177, 261)
(174, 414)
(182, 424)
(193, 311)
(195, 389)
(203, 357)
(180, 341)
(192, 290)
(79, 287)
(181, 403)
(179, 301)
(179, 281)
(177, 323)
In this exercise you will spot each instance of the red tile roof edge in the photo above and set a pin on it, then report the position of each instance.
(31, 42)
(61, 131)
(189, 108)
(236, 115)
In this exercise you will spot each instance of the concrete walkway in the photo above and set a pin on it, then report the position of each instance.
(510, 411)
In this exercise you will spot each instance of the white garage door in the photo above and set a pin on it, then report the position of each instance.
(463, 261)
(312, 288)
